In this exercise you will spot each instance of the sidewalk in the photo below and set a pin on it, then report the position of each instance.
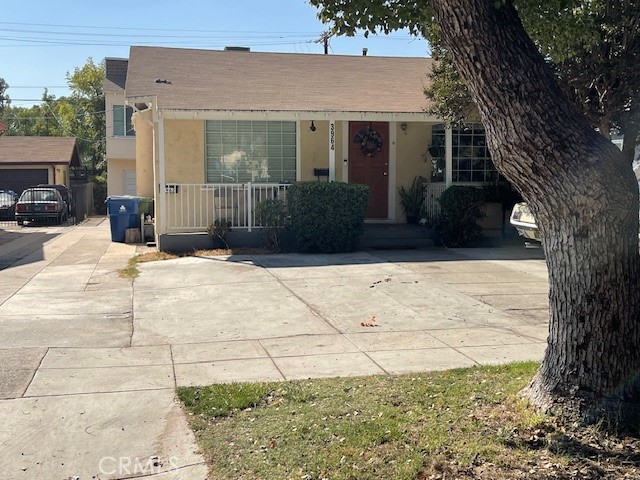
(60, 304)
(90, 361)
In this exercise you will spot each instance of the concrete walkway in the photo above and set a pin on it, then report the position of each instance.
(89, 361)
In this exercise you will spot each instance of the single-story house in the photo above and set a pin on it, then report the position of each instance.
(216, 132)
(28, 161)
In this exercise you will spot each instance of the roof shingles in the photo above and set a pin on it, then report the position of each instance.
(38, 150)
(252, 81)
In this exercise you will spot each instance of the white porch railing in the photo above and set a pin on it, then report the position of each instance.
(432, 193)
(193, 207)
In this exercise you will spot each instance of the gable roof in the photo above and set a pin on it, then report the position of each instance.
(39, 150)
(187, 79)
(115, 74)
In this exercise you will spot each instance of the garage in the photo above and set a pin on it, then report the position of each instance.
(20, 179)
(29, 161)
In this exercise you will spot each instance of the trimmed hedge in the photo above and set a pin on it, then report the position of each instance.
(327, 217)
(460, 211)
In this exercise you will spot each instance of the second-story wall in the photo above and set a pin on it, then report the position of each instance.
(118, 146)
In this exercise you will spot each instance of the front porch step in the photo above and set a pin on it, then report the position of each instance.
(397, 236)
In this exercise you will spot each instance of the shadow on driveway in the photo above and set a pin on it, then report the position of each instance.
(24, 244)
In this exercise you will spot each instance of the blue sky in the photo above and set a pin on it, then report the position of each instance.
(40, 41)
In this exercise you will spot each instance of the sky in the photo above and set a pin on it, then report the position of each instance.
(42, 40)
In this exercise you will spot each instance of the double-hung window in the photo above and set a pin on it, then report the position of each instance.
(250, 151)
(122, 126)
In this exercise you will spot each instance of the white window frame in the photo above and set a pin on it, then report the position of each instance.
(213, 151)
(127, 125)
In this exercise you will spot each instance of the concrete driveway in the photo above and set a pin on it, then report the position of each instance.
(89, 361)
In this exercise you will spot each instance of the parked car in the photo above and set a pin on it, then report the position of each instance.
(524, 222)
(8, 199)
(41, 204)
(66, 196)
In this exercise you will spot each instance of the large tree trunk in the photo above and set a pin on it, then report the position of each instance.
(630, 133)
(585, 198)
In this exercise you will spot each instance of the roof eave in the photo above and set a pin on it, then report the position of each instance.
(193, 114)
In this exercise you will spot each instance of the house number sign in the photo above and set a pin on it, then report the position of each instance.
(332, 136)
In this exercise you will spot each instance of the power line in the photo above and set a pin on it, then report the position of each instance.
(17, 118)
(39, 42)
(142, 35)
(138, 29)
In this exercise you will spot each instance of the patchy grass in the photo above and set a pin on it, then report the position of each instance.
(154, 257)
(131, 270)
(458, 424)
(217, 252)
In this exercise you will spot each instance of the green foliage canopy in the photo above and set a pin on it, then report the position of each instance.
(593, 45)
(79, 115)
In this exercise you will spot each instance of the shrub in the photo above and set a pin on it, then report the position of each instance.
(219, 229)
(272, 214)
(100, 193)
(327, 217)
(460, 210)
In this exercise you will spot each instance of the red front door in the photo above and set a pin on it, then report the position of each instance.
(369, 166)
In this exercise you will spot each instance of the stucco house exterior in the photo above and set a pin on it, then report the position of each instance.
(28, 161)
(120, 135)
(216, 132)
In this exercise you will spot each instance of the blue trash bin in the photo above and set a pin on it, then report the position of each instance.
(123, 213)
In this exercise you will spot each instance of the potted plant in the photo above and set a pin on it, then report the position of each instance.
(412, 199)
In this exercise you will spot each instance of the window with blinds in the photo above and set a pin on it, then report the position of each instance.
(250, 151)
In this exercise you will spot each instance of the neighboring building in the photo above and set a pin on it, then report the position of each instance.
(121, 144)
(28, 161)
(219, 131)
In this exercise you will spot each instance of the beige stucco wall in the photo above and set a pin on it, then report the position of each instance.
(184, 151)
(144, 153)
(184, 148)
(111, 99)
(115, 169)
(120, 151)
(61, 176)
(314, 149)
(411, 146)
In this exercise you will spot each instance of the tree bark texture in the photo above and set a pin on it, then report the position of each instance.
(585, 199)
(630, 133)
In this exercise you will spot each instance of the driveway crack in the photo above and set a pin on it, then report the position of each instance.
(34, 373)
(311, 308)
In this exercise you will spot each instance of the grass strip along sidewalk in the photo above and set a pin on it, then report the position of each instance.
(465, 423)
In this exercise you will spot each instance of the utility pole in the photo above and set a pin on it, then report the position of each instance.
(324, 39)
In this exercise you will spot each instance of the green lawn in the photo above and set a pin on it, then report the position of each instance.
(466, 423)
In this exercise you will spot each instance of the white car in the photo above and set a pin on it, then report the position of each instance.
(524, 222)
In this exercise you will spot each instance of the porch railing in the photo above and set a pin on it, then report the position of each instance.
(193, 207)
(432, 193)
